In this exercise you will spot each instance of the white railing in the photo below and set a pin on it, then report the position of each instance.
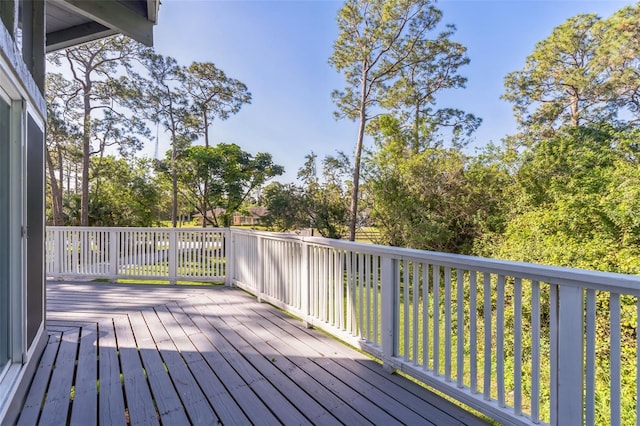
(522, 343)
(171, 254)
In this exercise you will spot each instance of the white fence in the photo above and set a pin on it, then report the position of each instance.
(137, 253)
(522, 343)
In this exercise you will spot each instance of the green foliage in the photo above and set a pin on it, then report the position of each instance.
(585, 72)
(319, 202)
(430, 198)
(574, 207)
(93, 101)
(324, 196)
(392, 60)
(284, 204)
(221, 176)
(123, 193)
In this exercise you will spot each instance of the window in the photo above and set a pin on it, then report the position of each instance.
(5, 135)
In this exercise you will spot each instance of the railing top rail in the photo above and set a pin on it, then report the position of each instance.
(613, 282)
(122, 228)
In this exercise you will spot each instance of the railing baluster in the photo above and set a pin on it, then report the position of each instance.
(331, 279)
(637, 363)
(350, 299)
(553, 337)
(500, 341)
(517, 350)
(436, 320)
(473, 332)
(367, 272)
(590, 359)
(361, 295)
(425, 317)
(615, 339)
(460, 341)
(447, 324)
(376, 295)
(396, 310)
(406, 296)
(486, 389)
(415, 292)
(535, 352)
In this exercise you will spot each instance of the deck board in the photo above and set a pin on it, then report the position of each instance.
(151, 354)
(85, 403)
(168, 402)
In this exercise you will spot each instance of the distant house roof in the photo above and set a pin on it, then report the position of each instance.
(71, 22)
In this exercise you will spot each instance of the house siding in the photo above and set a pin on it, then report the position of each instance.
(23, 207)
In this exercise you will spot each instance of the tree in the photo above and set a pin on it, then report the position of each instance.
(93, 98)
(436, 198)
(61, 138)
(584, 73)
(124, 193)
(324, 195)
(285, 210)
(576, 194)
(213, 94)
(412, 97)
(378, 40)
(619, 53)
(221, 176)
(163, 100)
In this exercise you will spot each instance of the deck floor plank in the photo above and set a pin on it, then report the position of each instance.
(401, 389)
(57, 401)
(238, 389)
(170, 407)
(139, 401)
(305, 386)
(33, 404)
(220, 398)
(265, 365)
(85, 402)
(195, 402)
(111, 398)
(341, 387)
(176, 355)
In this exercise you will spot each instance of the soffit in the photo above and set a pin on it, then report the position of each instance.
(71, 22)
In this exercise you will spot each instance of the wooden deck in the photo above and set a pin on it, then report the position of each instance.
(151, 354)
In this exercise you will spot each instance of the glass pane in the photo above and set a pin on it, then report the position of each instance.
(4, 232)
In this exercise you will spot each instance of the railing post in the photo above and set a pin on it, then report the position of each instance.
(230, 257)
(58, 252)
(305, 282)
(569, 400)
(113, 255)
(261, 262)
(173, 255)
(389, 304)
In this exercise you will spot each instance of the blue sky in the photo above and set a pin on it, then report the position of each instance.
(279, 49)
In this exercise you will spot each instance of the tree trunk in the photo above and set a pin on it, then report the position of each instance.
(56, 192)
(174, 183)
(86, 153)
(575, 119)
(358, 156)
(206, 183)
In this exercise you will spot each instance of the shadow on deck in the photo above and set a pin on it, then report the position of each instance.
(152, 354)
